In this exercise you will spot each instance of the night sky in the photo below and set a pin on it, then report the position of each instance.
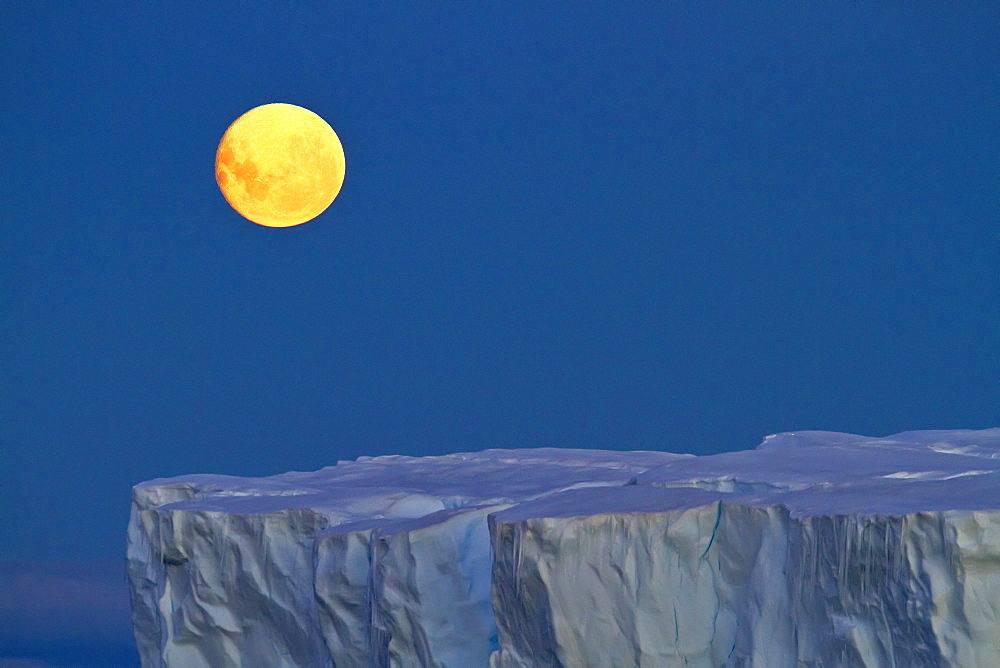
(661, 226)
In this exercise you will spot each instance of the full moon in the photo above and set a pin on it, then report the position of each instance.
(279, 165)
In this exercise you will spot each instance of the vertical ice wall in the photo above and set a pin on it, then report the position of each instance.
(728, 584)
(196, 574)
(431, 591)
(699, 586)
(343, 584)
(408, 592)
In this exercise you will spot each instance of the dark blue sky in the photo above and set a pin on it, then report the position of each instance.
(676, 226)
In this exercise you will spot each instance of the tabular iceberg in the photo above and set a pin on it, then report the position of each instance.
(816, 548)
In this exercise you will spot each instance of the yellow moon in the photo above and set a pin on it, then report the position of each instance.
(279, 165)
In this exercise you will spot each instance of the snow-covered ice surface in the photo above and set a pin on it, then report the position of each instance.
(815, 549)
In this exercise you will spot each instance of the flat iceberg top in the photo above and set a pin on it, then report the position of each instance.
(399, 486)
(809, 472)
(801, 460)
(798, 460)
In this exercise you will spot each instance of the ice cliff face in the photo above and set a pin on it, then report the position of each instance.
(816, 548)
